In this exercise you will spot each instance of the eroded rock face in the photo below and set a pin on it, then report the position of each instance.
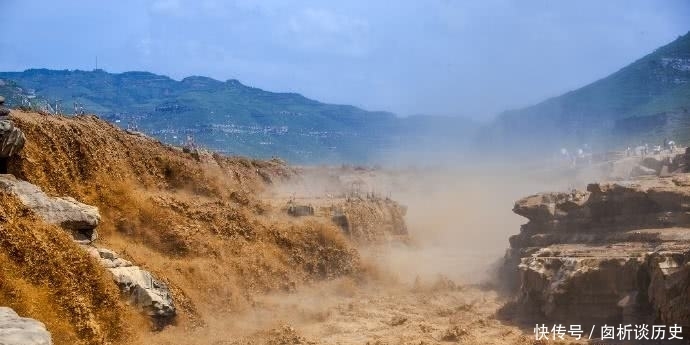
(583, 289)
(108, 258)
(136, 284)
(146, 292)
(17, 330)
(139, 286)
(614, 253)
(669, 288)
(70, 214)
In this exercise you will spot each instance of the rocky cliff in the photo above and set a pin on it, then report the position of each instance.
(615, 253)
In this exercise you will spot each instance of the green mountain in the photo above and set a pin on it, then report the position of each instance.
(237, 119)
(645, 101)
(16, 96)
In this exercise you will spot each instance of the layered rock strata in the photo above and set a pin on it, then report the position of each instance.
(615, 253)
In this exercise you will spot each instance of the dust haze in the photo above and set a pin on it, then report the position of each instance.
(459, 220)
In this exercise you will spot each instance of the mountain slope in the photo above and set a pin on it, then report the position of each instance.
(16, 96)
(656, 85)
(231, 117)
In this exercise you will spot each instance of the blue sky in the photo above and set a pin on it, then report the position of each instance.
(445, 57)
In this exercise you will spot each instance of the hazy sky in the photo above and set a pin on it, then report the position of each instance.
(471, 58)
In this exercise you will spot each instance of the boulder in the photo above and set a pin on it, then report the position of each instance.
(137, 285)
(109, 259)
(145, 292)
(11, 139)
(72, 215)
(17, 330)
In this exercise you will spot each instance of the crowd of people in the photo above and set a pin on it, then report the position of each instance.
(583, 154)
(643, 150)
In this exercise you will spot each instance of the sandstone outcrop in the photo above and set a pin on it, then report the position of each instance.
(136, 284)
(17, 330)
(70, 214)
(616, 253)
(145, 292)
(139, 286)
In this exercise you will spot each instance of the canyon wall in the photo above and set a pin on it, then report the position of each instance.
(615, 253)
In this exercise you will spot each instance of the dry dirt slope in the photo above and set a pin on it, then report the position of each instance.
(193, 220)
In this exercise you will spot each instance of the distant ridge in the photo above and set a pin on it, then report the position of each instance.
(237, 119)
(633, 104)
